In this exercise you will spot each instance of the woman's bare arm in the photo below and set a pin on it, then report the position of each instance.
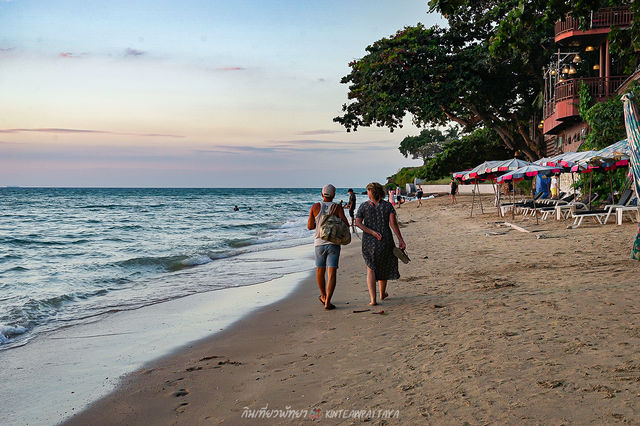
(367, 230)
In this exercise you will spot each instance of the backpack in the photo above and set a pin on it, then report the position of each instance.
(333, 229)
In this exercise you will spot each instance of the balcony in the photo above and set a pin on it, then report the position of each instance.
(600, 23)
(564, 104)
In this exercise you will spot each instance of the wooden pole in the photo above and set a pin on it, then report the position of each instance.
(479, 196)
(513, 199)
(473, 201)
(590, 182)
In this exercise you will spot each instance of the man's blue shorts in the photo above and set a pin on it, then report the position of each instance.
(327, 255)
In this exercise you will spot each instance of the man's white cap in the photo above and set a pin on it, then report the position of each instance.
(329, 190)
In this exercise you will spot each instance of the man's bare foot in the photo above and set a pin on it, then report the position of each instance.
(384, 296)
(373, 303)
(321, 299)
(329, 307)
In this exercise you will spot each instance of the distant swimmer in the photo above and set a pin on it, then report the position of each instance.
(235, 208)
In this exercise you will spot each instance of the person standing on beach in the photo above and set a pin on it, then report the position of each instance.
(419, 195)
(454, 190)
(327, 254)
(376, 218)
(352, 208)
(398, 196)
(554, 186)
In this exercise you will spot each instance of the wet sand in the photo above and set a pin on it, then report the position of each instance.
(487, 324)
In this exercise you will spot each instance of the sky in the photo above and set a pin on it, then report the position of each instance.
(215, 93)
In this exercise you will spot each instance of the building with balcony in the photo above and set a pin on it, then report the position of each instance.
(582, 58)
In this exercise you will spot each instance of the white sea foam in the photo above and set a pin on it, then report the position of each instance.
(199, 259)
(8, 331)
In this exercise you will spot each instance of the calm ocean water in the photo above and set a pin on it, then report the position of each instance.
(68, 255)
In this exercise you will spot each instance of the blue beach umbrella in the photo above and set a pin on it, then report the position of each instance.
(633, 138)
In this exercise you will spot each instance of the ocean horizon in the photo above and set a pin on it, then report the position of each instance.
(72, 254)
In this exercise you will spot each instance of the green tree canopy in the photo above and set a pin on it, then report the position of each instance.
(427, 144)
(443, 75)
(524, 18)
(459, 154)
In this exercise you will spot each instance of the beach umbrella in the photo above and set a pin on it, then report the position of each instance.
(479, 172)
(548, 161)
(459, 175)
(527, 172)
(616, 150)
(509, 165)
(633, 138)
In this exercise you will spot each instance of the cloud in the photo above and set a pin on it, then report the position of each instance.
(133, 52)
(71, 55)
(7, 49)
(231, 69)
(302, 146)
(101, 132)
(318, 132)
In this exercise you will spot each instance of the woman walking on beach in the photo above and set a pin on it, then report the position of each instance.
(377, 218)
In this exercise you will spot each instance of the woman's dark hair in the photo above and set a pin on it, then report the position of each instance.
(377, 191)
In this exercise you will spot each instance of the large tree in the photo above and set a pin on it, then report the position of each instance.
(522, 18)
(427, 144)
(442, 75)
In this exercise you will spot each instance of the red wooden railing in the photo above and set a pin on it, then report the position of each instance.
(600, 89)
(603, 18)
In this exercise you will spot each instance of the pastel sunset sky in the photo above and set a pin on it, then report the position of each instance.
(217, 93)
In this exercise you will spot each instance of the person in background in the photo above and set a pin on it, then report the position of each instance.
(376, 218)
(351, 205)
(419, 195)
(398, 196)
(327, 254)
(454, 190)
(392, 196)
(554, 186)
(235, 208)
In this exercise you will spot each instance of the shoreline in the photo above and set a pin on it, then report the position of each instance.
(486, 325)
(84, 362)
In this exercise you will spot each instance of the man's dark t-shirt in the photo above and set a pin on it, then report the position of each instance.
(352, 204)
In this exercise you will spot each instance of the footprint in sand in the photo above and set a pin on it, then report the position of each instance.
(181, 408)
(181, 392)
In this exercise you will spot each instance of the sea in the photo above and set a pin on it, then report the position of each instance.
(73, 255)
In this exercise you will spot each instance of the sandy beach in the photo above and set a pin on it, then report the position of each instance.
(486, 325)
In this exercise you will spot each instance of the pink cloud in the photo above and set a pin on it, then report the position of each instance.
(231, 69)
(102, 132)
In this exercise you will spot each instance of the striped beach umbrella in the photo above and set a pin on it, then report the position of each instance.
(633, 138)
(618, 149)
(509, 165)
(459, 175)
(529, 171)
(480, 170)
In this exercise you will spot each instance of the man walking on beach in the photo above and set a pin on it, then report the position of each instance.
(327, 254)
(352, 208)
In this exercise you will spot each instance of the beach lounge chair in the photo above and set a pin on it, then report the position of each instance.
(625, 199)
(632, 208)
(541, 204)
(550, 210)
(578, 216)
(562, 211)
(522, 203)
